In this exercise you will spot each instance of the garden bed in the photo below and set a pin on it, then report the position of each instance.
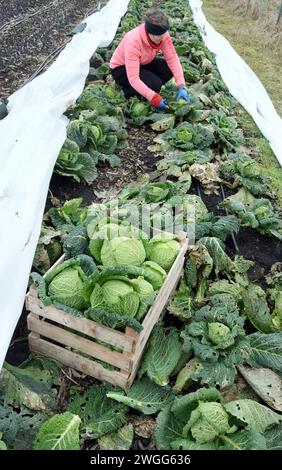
(28, 37)
(218, 323)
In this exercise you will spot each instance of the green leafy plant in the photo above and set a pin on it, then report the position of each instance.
(61, 432)
(242, 170)
(200, 421)
(122, 290)
(218, 340)
(162, 356)
(69, 215)
(75, 164)
(163, 249)
(99, 415)
(182, 304)
(48, 249)
(144, 396)
(186, 137)
(255, 213)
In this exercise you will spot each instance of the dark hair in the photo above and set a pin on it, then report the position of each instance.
(156, 22)
(156, 17)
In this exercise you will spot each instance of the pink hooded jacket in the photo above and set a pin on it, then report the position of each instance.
(135, 49)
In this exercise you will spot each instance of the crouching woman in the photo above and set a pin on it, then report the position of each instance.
(135, 67)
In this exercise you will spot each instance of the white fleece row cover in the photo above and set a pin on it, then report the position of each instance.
(243, 84)
(31, 137)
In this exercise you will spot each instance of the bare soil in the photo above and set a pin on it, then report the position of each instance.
(136, 160)
(32, 29)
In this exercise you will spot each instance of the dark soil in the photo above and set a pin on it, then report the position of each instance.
(26, 41)
(135, 161)
(263, 250)
(13, 11)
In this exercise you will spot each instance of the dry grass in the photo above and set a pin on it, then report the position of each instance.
(264, 14)
(247, 7)
(250, 39)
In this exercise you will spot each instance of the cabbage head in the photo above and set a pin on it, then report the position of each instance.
(208, 421)
(106, 232)
(116, 295)
(249, 169)
(143, 288)
(67, 286)
(138, 109)
(183, 135)
(157, 273)
(112, 93)
(94, 134)
(111, 230)
(123, 250)
(219, 334)
(115, 289)
(163, 249)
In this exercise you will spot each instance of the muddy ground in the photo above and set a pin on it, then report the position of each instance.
(136, 160)
(30, 30)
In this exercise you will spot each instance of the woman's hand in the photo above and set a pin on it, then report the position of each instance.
(158, 102)
(162, 106)
(182, 93)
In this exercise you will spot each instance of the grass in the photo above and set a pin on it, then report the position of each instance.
(255, 44)
(266, 62)
(262, 151)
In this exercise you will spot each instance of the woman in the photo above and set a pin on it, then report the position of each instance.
(135, 67)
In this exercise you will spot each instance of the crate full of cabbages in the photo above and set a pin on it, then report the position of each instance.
(96, 313)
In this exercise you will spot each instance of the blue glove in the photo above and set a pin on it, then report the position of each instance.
(162, 106)
(182, 93)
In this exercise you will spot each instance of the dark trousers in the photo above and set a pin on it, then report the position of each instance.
(154, 75)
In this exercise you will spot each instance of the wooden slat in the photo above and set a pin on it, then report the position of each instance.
(75, 361)
(133, 334)
(135, 369)
(32, 291)
(81, 344)
(129, 356)
(83, 325)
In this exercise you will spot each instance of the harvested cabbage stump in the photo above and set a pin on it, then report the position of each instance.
(57, 334)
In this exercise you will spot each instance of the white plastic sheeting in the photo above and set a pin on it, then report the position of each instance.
(31, 137)
(243, 84)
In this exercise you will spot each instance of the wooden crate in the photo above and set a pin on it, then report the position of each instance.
(49, 336)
